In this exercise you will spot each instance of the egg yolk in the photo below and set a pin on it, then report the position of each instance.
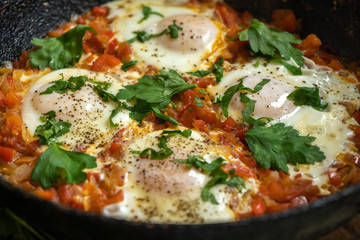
(198, 33)
(83, 104)
(271, 100)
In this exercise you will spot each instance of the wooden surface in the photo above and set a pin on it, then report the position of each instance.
(349, 231)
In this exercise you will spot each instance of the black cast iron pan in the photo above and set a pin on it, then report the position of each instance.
(337, 23)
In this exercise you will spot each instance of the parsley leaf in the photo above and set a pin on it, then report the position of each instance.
(185, 133)
(174, 30)
(267, 41)
(143, 36)
(218, 175)
(225, 99)
(293, 69)
(61, 86)
(217, 70)
(198, 102)
(61, 52)
(164, 151)
(147, 11)
(153, 94)
(250, 107)
(277, 145)
(307, 96)
(55, 162)
(51, 130)
(127, 65)
(100, 89)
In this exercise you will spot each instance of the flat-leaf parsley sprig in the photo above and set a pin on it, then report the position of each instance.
(164, 151)
(269, 42)
(60, 52)
(153, 94)
(218, 176)
(56, 162)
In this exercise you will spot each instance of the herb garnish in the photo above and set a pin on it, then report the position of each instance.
(307, 96)
(143, 36)
(164, 151)
(147, 11)
(153, 94)
(61, 86)
(60, 52)
(51, 130)
(224, 100)
(198, 102)
(250, 107)
(127, 65)
(56, 162)
(269, 41)
(277, 145)
(100, 88)
(218, 175)
(217, 70)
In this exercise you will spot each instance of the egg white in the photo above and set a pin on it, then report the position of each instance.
(162, 191)
(196, 44)
(84, 109)
(330, 127)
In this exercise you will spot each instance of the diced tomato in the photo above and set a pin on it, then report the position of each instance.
(45, 194)
(111, 46)
(335, 65)
(100, 26)
(205, 82)
(246, 18)
(228, 139)
(258, 206)
(275, 191)
(124, 51)
(249, 161)
(12, 99)
(284, 19)
(201, 126)
(187, 118)
(205, 114)
(297, 187)
(6, 154)
(334, 178)
(310, 45)
(228, 125)
(71, 194)
(13, 122)
(240, 129)
(228, 15)
(100, 11)
(278, 207)
(103, 63)
(239, 170)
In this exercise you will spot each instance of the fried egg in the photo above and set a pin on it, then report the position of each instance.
(163, 191)
(84, 109)
(330, 127)
(199, 41)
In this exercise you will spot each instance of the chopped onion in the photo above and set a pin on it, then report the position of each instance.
(22, 172)
(4, 85)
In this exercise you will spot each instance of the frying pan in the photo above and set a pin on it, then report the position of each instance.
(337, 23)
